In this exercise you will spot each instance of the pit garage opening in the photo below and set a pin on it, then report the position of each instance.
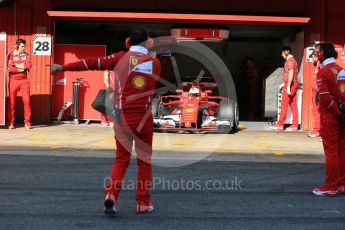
(248, 44)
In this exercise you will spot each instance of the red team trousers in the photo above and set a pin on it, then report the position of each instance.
(333, 137)
(15, 86)
(127, 131)
(289, 100)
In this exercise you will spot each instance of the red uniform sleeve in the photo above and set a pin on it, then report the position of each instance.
(101, 63)
(327, 101)
(10, 65)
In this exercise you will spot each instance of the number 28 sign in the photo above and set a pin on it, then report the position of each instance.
(42, 46)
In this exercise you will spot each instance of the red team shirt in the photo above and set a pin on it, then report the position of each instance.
(331, 84)
(15, 58)
(290, 64)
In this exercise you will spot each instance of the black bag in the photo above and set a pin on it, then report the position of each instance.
(104, 101)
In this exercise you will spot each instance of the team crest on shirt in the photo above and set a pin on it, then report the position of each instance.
(138, 65)
(134, 61)
(139, 82)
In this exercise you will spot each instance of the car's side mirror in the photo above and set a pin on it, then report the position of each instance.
(179, 91)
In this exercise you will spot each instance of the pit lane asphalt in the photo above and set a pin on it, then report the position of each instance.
(58, 192)
(52, 178)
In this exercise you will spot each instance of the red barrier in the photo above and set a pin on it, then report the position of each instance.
(3, 64)
(91, 81)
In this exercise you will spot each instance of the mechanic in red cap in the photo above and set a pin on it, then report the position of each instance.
(331, 84)
(19, 64)
(290, 87)
(136, 74)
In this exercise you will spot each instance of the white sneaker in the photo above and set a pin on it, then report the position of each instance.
(291, 129)
(277, 127)
(105, 124)
(143, 208)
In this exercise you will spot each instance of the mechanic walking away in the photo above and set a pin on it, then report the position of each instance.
(331, 84)
(136, 75)
(315, 98)
(19, 63)
(289, 91)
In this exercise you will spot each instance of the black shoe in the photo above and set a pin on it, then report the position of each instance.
(110, 204)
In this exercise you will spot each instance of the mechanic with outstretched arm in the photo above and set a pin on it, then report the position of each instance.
(134, 87)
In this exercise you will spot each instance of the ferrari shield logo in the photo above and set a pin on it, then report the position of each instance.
(134, 61)
(138, 65)
(139, 82)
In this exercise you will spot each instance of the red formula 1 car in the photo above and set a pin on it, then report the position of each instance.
(195, 110)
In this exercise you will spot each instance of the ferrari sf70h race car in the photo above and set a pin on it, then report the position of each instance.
(195, 110)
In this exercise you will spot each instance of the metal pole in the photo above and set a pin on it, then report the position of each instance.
(76, 89)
